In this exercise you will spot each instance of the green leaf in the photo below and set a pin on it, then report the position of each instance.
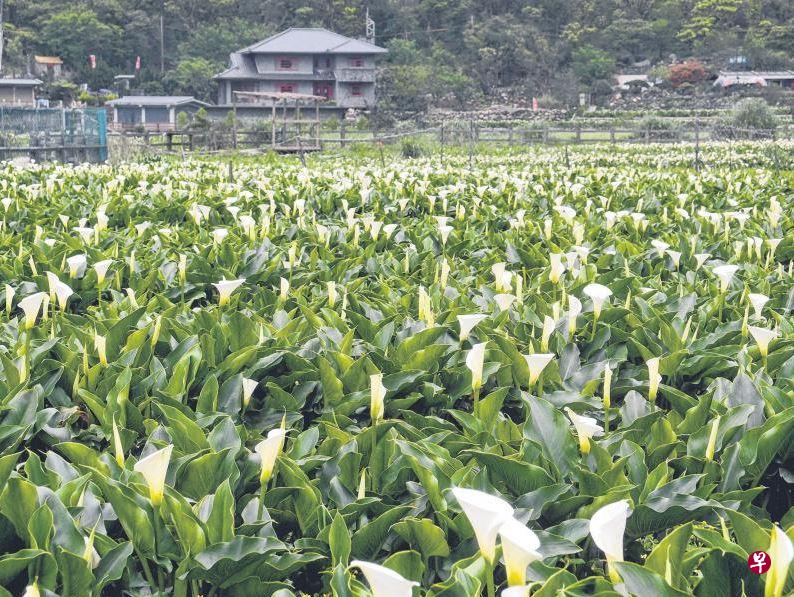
(339, 541)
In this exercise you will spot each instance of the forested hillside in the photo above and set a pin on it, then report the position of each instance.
(461, 49)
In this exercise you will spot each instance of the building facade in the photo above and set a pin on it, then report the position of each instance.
(308, 61)
(150, 112)
(18, 92)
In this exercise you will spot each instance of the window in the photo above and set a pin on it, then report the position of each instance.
(286, 88)
(356, 90)
(356, 62)
(285, 63)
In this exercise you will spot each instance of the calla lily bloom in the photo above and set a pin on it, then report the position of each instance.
(607, 527)
(77, 265)
(781, 552)
(269, 450)
(154, 468)
(474, 361)
(504, 301)
(486, 514)
(30, 305)
(249, 385)
(660, 246)
(377, 393)
(548, 330)
(519, 548)
(700, 259)
(62, 292)
(607, 393)
(101, 268)
(758, 301)
(725, 274)
(586, 427)
(653, 377)
(100, 344)
(331, 288)
(384, 582)
(762, 337)
(10, 292)
(226, 288)
(520, 591)
(118, 447)
(557, 267)
(536, 364)
(283, 288)
(468, 322)
(599, 294)
(574, 309)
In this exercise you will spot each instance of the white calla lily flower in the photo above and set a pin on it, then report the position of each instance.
(468, 322)
(249, 385)
(574, 309)
(586, 428)
(537, 363)
(101, 268)
(607, 527)
(486, 514)
(154, 468)
(599, 294)
(504, 301)
(757, 301)
(226, 288)
(77, 265)
(781, 552)
(519, 548)
(384, 582)
(653, 377)
(30, 306)
(475, 361)
(762, 337)
(377, 393)
(725, 274)
(269, 450)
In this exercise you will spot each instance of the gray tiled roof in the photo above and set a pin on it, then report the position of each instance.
(154, 100)
(8, 81)
(312, 41)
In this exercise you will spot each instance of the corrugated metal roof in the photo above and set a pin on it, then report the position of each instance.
(764, 74)
(47, 59)
(155, 100)
(297, 40)
(20, 82)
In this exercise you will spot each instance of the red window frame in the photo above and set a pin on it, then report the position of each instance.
(356, 91)
(287, 88)
(285, 63)
(356, 62)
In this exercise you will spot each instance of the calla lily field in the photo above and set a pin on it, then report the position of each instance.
(537, 373)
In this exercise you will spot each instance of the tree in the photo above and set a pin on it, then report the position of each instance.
(689, 71)
(192, 76)
(591, 64)
(77, 32)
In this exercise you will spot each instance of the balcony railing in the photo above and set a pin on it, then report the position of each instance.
(355, 75)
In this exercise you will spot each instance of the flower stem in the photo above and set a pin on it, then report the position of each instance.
(146, 570)
(261, 508)
(489, 581)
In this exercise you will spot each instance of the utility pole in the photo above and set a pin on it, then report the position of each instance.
(369, 28)
(162, 37)
(2, 32)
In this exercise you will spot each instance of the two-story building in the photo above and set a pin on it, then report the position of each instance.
(308, 61)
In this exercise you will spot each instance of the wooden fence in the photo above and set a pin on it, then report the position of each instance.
(296, 140)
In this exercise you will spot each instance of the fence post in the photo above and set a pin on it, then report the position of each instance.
(510, 134)
(697, 144)
(546, 133)
(647, 133)
(578, 133)
(342, 133)
(612, 134)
